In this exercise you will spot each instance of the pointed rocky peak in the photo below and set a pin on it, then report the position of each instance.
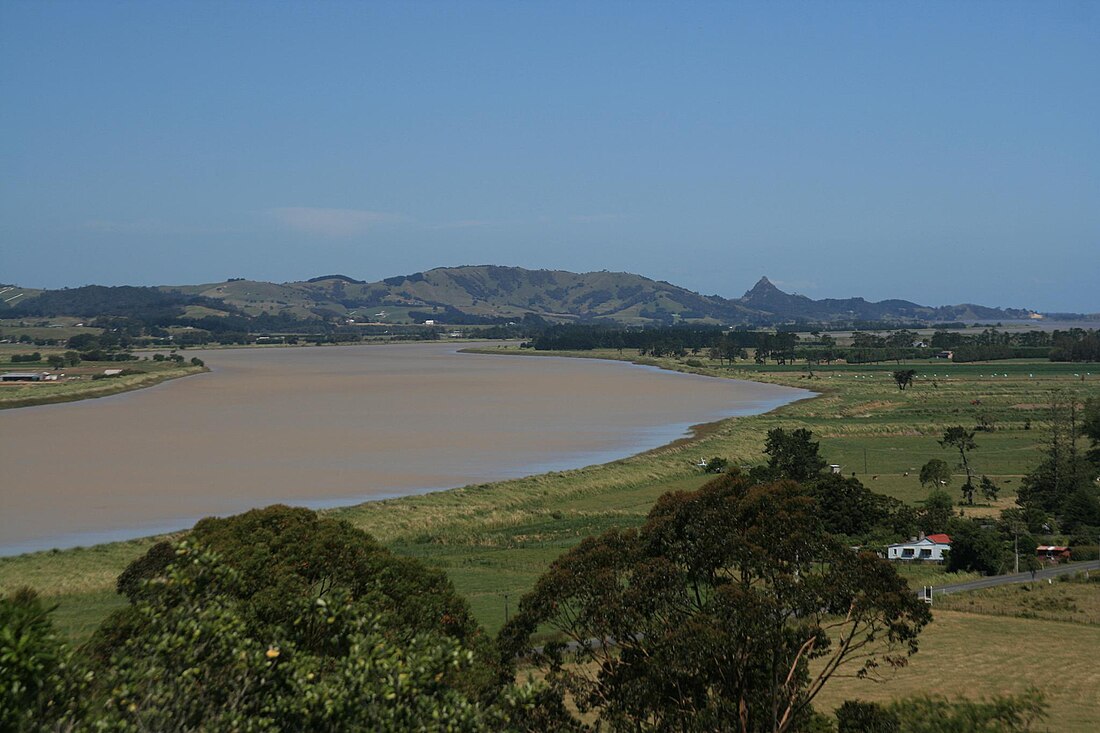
(763, 287)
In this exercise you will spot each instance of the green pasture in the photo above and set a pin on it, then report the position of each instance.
(79, 581)
(496, 539)
(61, 331)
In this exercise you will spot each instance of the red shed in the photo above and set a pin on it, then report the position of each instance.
(1052, 554)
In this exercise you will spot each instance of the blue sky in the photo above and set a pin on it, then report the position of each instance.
(940, 152)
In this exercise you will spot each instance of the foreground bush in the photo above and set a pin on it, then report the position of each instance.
(197, 663)
(295, 623)
(288, 557)
(31, 661)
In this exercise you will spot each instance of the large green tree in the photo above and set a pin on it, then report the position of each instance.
(962, 440)
(975, 548)
(195, 660)
(297, 623)
(1090, 426)
(709, 616)
(847, 507)
(286, 556)
(935, 473)
(793, 454)
(1063, 483)
(937, 511)
(904, 377)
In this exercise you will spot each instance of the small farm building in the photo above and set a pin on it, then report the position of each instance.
(1052, 553)
(930, 548)
(21, 377)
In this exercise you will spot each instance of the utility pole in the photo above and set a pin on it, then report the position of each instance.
(505, 608)
(1016, 533)
(864, 461)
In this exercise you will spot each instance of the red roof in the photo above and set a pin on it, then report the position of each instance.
(940, 539)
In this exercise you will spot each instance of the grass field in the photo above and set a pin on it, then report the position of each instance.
(494, 540)
(967, 655)
(974, 656)
(1074, 599)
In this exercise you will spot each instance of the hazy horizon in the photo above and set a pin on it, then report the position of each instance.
(937, 152)
(730, 296)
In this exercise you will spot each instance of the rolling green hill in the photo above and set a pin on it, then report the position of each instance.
(512, 292)
(477, 293)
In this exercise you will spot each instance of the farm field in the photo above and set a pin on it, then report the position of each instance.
(975, 656)
(494, 540)
(1069, 598)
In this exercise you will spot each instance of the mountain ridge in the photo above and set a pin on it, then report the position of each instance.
(502, 292)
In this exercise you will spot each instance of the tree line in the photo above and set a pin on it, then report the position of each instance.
(819, 347)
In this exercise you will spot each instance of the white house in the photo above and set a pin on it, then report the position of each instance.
(930, 548)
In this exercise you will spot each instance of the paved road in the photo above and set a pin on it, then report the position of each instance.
(995, 580)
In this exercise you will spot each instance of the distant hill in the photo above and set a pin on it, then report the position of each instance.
(96, 300)
(766, 297)
(486, 293)
(512, 292)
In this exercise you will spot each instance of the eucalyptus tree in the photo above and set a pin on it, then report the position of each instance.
(731, 608)
(962, 440)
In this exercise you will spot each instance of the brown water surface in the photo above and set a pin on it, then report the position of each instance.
(331, 426)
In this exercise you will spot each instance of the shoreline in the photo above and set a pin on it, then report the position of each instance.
(93, 391)
(116, 387)
(696, 432)
(673, 436)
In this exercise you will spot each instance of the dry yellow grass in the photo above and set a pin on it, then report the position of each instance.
(1064, 599)
(970, 655)
(974, 656)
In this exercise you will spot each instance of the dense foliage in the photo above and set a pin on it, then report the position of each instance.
(786, 347)
(193, 658)
(287, 557)
(1063, 485)
(716, 607)
(294, 623)
(31, 662)
(150, 304)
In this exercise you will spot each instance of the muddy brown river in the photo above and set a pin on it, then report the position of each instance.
(329, 426)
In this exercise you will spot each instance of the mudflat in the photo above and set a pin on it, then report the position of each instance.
(327, 426)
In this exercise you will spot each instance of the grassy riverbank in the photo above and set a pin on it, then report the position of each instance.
(28, 394)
